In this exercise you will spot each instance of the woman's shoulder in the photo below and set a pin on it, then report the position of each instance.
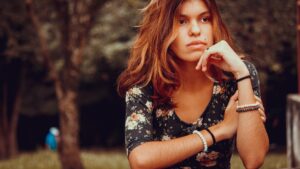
(140, 92)
(249, 64)
(140, 95)
(252, 69)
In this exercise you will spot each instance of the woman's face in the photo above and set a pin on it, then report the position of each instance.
(194, 30)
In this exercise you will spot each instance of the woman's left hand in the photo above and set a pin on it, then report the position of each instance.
(222, 56)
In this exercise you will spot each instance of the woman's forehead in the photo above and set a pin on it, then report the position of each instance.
(192, 7)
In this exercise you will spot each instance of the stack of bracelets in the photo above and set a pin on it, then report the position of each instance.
(247, 107)
(204, 142)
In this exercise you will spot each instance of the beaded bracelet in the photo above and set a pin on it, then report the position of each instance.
(247, 107)
(202, 139)
(212, 136)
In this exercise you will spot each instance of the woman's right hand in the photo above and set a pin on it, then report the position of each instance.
(230, 123)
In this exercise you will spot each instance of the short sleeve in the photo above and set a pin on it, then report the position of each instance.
(138, 120)
(254, 78)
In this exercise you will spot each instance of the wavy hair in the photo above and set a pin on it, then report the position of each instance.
(151, 62)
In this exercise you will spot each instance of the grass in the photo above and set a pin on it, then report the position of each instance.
(44, 159)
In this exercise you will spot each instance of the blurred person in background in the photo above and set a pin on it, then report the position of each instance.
(52, 139)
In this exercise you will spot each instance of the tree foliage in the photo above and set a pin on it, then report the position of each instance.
(265, 30)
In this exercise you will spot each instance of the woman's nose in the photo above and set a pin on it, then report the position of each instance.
(195, 29)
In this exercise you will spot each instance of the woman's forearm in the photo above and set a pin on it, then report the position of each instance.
(161, 154)
(252, 138)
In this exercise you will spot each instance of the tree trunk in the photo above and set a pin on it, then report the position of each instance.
(13, 124)
(9, 114)
(2, 144)
(3, 122)
(66, 90)
(2, 135)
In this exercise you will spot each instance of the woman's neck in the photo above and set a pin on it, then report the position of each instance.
(192, 80)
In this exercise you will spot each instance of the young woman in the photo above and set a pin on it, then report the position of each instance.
(190, 98)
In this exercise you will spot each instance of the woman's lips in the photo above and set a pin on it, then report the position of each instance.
(196, 45)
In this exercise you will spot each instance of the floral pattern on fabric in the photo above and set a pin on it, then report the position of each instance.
(207, 159)
(143, 123)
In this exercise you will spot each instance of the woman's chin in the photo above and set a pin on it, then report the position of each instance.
(191, 57)
(197, 54)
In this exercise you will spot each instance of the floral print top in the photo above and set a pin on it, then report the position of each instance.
(144, 123)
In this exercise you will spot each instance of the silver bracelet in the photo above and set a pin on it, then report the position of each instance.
(202, 139)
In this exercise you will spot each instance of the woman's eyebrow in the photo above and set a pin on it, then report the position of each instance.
(187, 16)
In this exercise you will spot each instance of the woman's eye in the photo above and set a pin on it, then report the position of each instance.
(205, 19)
(182, 21)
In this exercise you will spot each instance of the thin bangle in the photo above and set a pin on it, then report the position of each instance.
(242, 78)
(212, 136)
(202, 139)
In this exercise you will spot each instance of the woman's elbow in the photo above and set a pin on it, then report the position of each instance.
(254, 161)
(255, 158)
(253, 164)
(137, 160)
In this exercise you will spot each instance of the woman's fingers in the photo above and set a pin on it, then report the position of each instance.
(199, 62)
(262, 114)
(261, 109)
(203, 58)
(258, 98)
(211, 52)
(260, 102)
(231, 116)
(232, 100)
(220, 55)
(234, 97)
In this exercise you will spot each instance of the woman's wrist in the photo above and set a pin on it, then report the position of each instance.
(241, 71)
(219, 132)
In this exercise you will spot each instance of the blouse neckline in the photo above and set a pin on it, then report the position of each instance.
(203, 115)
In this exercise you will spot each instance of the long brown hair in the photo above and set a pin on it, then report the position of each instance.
(151, 61)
